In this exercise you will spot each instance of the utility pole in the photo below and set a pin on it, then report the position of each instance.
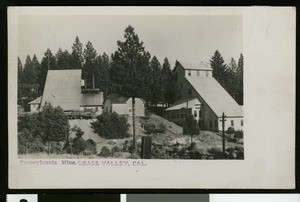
(223, 132)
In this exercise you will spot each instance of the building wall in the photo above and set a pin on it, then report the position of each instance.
(184, 89)
(236, 123)
(33, 107)
(126, 108)
(139, 107)
(198, 73)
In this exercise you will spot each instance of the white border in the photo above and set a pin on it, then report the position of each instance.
(269, 112)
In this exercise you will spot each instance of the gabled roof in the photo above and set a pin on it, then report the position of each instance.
(91, 99)
(36, 101)
(215, 96)
(62, 88)
(183, 103)
(116, 98)
(200, 66)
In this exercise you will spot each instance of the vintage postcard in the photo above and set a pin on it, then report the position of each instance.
(151, 97)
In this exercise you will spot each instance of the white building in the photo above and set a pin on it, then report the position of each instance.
(64, 88)
(123, 106)
(34, 104)
(196, 82)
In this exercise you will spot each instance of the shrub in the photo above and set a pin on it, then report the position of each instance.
(149, 128)
(105, 151)
(91, 147)
(217, 153)
(230, 131)
(190, 126)
(29, 144)
(111, 126)
(239, 134)
(56, 149)
(116, 149)
(48, 125)
(160, 129)
(79, 145)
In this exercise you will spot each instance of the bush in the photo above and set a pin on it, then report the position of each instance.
(160, 129)
(91, 147)
(149, 128)
(29, 144)
(111, 126)
(239, 134)
(48, 125)
(56, 149)
(116, 149)
(217, 153)
(105, 151)
(230, 131)
(79, 145)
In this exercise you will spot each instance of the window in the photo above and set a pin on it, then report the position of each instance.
(181, 85)
(189, 72)
(207, 73)
(232, 122)
(242, 122)
(198, 73)
(189, 91)
(195, 113)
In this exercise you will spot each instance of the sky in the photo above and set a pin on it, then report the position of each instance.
(187, 38)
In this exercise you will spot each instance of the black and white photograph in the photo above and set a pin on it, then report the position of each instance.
(151, 97)
(140, 87)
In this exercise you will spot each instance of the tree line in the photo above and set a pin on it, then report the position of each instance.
(131, 71)
(230, 76)
(96, 71)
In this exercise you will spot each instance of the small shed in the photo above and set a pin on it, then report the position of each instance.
(123, 106)
(34, 104)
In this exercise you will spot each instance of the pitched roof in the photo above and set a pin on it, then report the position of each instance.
(116, 98)
(92, 99)
(200, 66)
(183, 103)
(215, 96)
(36, 100)
(62, 88)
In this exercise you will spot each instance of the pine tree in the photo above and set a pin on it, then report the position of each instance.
(20, 82)
(63, 59)
(168, 83)
(28, 71)
(154, 82)
(128, 67)
(20, 71)
(102, 73)
(240, 81)
(89, 66)
(232, 65)
(48, 62)
(54, 124)
(190, 126)
(37, 69)
(77, 55)
(219, 68)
